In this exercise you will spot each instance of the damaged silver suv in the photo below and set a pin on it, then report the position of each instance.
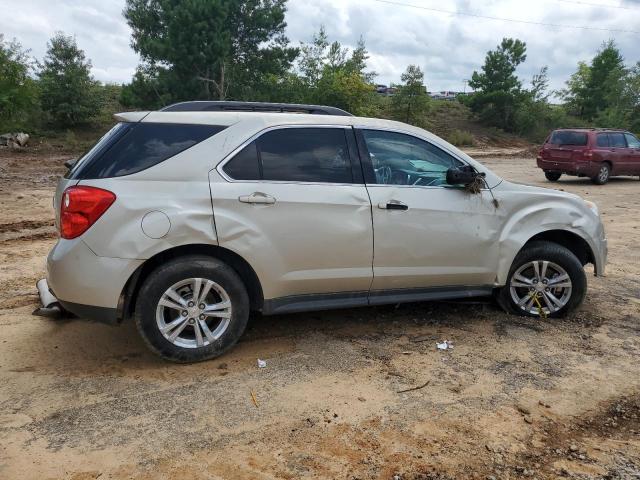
(189, 218)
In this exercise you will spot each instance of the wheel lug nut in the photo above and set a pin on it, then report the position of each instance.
(184, 313)
(202, 317)
(201, 306)
(191, 304)
(546, 289)
(192, 321)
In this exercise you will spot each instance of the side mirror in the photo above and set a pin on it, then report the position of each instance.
(70, 163)
(461, 176)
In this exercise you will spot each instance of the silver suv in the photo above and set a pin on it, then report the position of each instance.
(189, 218)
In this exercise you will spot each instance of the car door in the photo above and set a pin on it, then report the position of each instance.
(426, 233)
(292, 203)
(633, 153)
(619, 156)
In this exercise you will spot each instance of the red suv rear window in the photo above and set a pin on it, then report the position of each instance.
(568, 137)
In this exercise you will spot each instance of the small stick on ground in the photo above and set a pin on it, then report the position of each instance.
(253, 398)
(415, 388)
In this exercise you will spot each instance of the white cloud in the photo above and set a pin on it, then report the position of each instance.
(447, 47)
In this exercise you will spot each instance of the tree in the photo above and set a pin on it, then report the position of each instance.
(330, 74)
(498, 89)
(68, 90)
(211, 48)
(410, 103)
(597, 89)
(18, 92)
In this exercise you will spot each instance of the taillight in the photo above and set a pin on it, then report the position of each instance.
(81, 207)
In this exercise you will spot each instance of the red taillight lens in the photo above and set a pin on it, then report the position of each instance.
(81, 207)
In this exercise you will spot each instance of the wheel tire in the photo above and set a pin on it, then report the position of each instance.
(182, 269)
(551, 252)
(552, 176)
(603, 174)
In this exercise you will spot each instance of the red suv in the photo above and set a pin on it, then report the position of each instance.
(590, 152)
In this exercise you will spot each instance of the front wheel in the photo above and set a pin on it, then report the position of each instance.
(552, 176)
(603, 174)
(545, 280)
(191, 309)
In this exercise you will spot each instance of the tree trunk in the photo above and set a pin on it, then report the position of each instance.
(221, 85)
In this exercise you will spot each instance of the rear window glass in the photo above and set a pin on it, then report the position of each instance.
(602, 140)
(305, 155)
(143, 145)
(617, 140)
(568, 137)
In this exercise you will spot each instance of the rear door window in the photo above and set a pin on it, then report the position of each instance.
(144, 145)
(568, 137)
(602, 140)
(305, 155)
(617, 140)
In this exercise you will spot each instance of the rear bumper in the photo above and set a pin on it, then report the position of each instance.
(584, 169)
(86, 284)
(52, 307)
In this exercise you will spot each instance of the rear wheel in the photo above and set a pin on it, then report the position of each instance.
(603, 174)
(191, 309)
(545, 280)
(552, 176)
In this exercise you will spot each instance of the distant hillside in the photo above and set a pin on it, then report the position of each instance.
(454, 122)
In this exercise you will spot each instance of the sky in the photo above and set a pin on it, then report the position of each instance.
(447, 46)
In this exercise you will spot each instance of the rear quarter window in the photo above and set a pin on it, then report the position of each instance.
(144, 145)
(568, 137)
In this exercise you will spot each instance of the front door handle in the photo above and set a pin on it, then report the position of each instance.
(257, 198)
(393, 205)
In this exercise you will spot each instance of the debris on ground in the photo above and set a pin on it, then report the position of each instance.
(253, 398)
(415, 388)
(262, 363)
(446, 345)
(14, 140)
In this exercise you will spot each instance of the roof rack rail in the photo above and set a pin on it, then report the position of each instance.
(594, 129)
(224, 106)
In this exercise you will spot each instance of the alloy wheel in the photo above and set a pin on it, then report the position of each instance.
(193, 313)
(540, 287)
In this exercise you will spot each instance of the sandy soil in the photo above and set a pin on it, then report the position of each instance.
(514, 398)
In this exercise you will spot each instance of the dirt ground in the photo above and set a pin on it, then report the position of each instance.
(514, 398)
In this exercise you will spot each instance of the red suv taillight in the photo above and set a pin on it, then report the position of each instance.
(81, 207)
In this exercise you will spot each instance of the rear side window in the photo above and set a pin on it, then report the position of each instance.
(318, 155)
(144, 145)
(602, 140)
(568, 137)
(305, 155)
(617, 140)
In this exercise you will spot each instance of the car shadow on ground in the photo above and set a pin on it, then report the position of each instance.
(82, 346)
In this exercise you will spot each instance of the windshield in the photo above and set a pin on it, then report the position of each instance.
(568, 137)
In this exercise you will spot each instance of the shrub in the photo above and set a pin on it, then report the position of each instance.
(461, 138)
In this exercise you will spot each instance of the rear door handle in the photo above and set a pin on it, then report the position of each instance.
(393, 205)
(257, 198)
